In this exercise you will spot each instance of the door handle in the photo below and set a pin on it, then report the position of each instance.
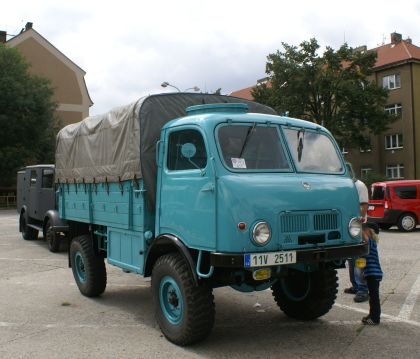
(209, 187)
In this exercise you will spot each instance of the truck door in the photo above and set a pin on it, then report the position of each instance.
(187, 189)
(46, 191)
(32, 199)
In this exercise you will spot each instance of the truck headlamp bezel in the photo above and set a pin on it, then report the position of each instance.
(355, 227)
(261, 233)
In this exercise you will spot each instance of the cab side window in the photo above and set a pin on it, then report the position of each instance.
(47, 178)
(176, 161)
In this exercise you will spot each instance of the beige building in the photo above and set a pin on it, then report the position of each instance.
(67, 79)
(396, 152)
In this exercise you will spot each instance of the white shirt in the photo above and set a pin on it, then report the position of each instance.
(363, 194)
(362, 191)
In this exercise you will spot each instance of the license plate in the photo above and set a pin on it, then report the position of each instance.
(269, 259)
(371, 208)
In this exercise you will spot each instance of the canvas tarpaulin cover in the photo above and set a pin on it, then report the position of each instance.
(120, 145)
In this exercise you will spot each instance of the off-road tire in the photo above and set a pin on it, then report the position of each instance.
(196, 317)
(53, 240)
(407, 222)
(306, 296)
(28, 233)
(88, 268)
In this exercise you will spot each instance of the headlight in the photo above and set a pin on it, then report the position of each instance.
(261, 233)
(355, 227)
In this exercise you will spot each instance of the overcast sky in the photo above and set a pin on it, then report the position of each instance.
(128, 48)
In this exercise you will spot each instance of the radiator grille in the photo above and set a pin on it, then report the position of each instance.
(298, 222)
(294, 222)
(325, 221)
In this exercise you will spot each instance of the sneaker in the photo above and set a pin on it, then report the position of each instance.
(368, 321)
(350, 290)
(361, 297)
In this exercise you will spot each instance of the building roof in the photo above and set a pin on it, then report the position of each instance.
(29, 32)
(244, 93)
(395, 53)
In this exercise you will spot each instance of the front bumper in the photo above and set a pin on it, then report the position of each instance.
(313, 255)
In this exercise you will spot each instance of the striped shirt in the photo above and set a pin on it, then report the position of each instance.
(373, 267)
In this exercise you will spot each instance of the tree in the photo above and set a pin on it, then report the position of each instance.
(27, 121)
(334, 90)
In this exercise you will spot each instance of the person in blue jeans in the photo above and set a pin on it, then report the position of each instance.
(358, 283)
(373, 275)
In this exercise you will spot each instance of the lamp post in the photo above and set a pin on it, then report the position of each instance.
(166, 84)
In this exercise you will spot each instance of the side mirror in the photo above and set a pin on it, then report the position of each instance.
(188, 150)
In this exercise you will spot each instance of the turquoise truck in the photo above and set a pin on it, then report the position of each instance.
(201, 191)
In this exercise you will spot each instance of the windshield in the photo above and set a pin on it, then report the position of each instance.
(313, 151)
(252, 147)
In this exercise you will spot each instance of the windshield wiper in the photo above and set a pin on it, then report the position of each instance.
(248, 136)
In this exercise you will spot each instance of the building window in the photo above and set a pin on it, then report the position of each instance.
(365, 172)
(395, 109)
(391, 82)
(367, 147)
(395, 171)
(393, 141)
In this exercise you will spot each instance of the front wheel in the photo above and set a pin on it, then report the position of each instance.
(88, 268)
(184, 311)
(306, 295)
(53, 240)
(407, 222)
(28, 233)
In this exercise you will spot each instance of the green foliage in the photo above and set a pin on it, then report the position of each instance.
(27, 121)
(334, 90)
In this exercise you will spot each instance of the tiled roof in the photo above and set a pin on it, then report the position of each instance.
(244, 93)
(396, 52)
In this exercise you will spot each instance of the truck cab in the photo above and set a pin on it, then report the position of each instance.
(36, 204)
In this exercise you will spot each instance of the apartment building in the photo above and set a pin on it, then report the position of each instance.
(394, 153)
(67, 78)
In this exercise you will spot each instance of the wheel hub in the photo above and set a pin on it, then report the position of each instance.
(170, 298)
(408, 223)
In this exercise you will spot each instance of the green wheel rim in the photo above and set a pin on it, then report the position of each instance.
(80, 267)
(171, 302)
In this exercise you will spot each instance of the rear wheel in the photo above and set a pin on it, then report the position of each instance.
(184, 311)
(53, 240)
(306, 295)
(28, 233)
(88, 268)
(407, 222)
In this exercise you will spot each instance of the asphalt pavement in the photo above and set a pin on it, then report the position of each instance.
(43, 314)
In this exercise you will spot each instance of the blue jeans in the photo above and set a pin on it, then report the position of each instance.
(357, 278)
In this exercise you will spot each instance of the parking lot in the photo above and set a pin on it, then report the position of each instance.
(43, 315)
